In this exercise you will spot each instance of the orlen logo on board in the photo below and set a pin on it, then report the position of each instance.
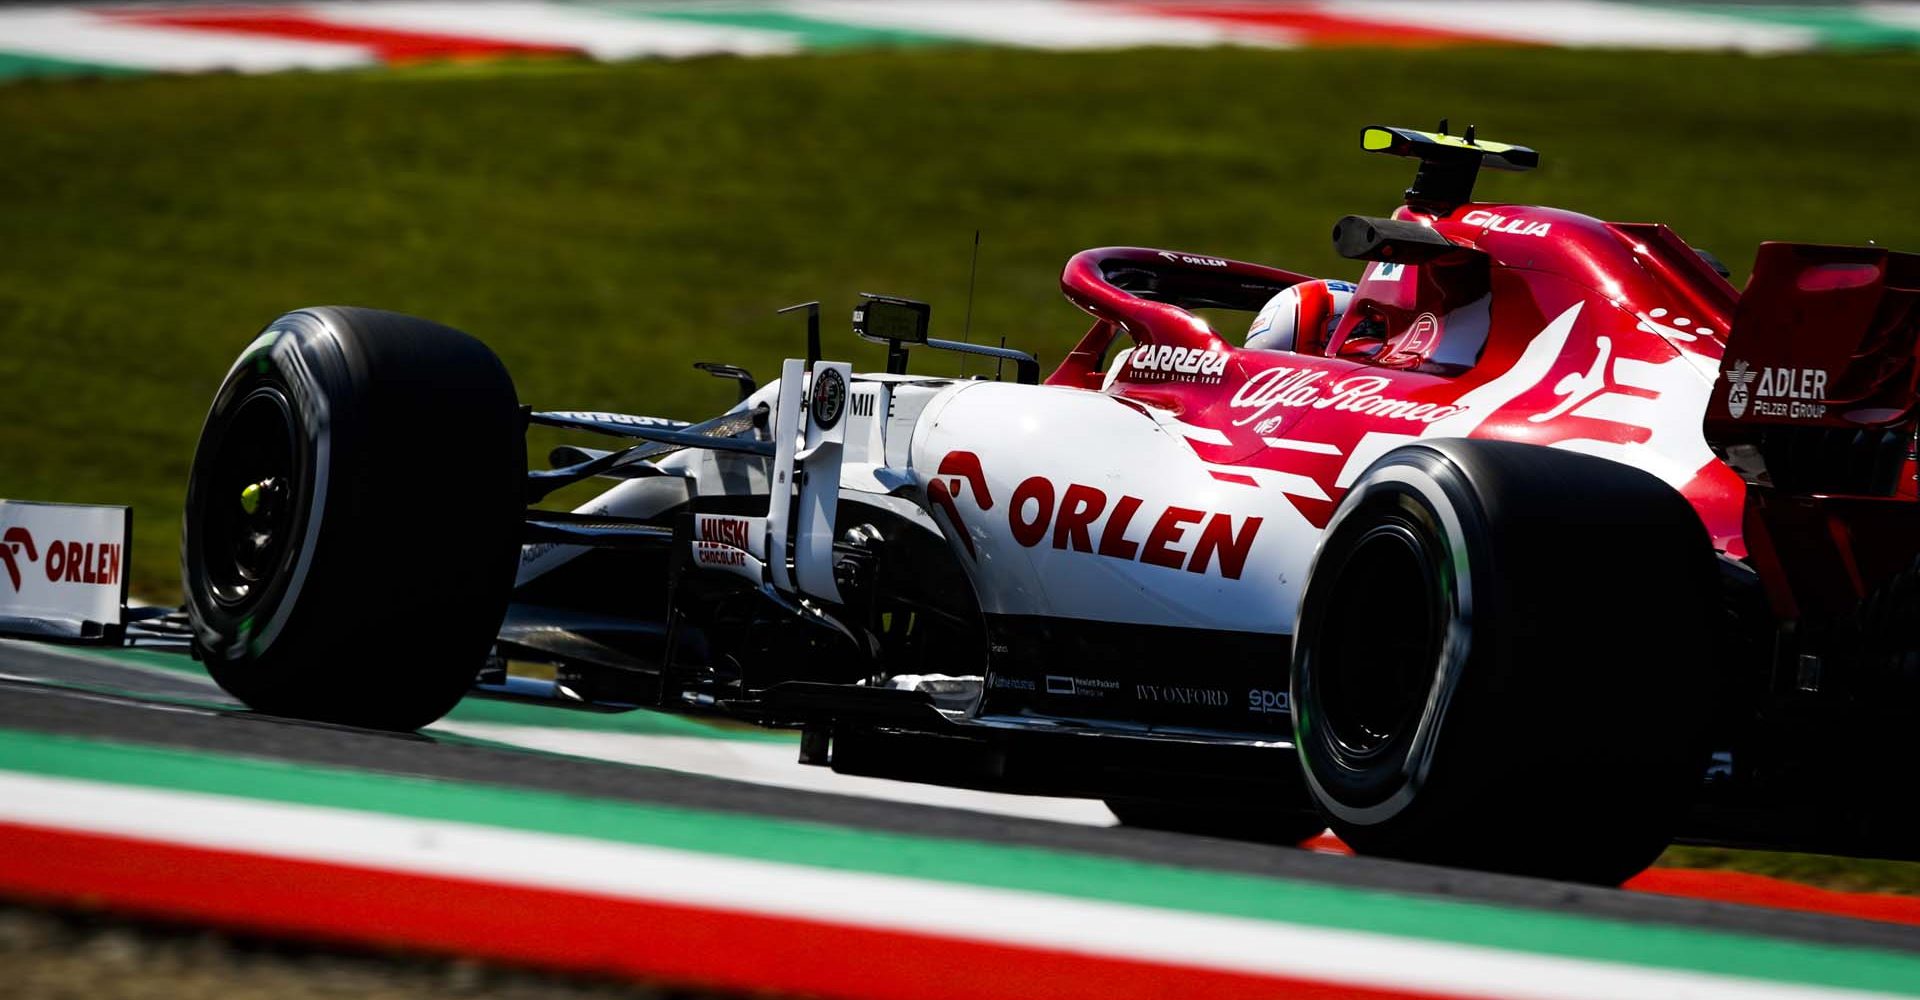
(95, 563)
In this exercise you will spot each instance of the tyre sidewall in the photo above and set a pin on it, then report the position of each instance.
(408, 549)
(1420, 490)
(300, 356)
(1570, 694)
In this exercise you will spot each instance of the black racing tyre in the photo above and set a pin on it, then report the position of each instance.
(353, 518)
(1503, 660)
(1273, 825)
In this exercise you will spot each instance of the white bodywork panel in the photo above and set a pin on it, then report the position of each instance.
(1098, 512)
(1058, 502)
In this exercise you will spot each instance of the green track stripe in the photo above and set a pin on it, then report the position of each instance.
(813, 33)
(14, 65)
(1841, 27)
(177, 663)
(999, 866)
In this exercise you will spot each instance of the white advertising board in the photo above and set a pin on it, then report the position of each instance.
(63, 569)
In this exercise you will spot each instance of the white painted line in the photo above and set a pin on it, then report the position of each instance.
(96, 658)
(773, 765)
(77, 35)
(1584, 23)
(1004, 916)
(1898, 15)
(1044, 24)
(600, 34)
(39, 685)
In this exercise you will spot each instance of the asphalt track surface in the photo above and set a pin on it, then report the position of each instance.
(53, 691)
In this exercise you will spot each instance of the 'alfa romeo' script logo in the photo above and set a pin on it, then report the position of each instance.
(1303, 387)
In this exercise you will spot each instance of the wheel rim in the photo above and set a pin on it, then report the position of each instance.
(1381, 643)
(250, 499)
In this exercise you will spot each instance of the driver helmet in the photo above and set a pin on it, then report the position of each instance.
(1311, 306)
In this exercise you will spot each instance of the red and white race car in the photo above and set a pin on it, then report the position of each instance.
(1535, 548)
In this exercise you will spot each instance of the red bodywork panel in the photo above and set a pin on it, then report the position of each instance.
(1545, 327)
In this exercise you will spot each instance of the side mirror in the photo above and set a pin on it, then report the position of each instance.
(897, 322)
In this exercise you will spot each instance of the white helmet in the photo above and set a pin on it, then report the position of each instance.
(1312, 306)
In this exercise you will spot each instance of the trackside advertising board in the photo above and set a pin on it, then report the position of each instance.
(63, 569)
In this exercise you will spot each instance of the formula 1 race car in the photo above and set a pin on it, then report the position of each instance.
(1535, 549)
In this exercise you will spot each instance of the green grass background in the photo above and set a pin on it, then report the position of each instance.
(604, 227)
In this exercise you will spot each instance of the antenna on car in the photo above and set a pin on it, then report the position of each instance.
(966, 325)
(813, 328)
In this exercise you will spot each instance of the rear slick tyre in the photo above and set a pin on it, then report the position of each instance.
(353, 518)
(1502, 661)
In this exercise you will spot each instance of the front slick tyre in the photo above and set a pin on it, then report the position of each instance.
(353, 518)
(1502, 661)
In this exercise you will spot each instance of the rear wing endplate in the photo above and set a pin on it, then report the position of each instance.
(1824, 336)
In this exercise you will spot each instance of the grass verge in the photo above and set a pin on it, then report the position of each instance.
(1823, 870)
(604, 227)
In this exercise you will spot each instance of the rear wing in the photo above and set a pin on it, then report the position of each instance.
(1823, 337)
(1821, 376)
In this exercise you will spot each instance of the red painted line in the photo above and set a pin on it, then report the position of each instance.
(584, 933)
(1759, 890)
(1318, 27)
(1740, 887)
(391, 45)
(1234, 477)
